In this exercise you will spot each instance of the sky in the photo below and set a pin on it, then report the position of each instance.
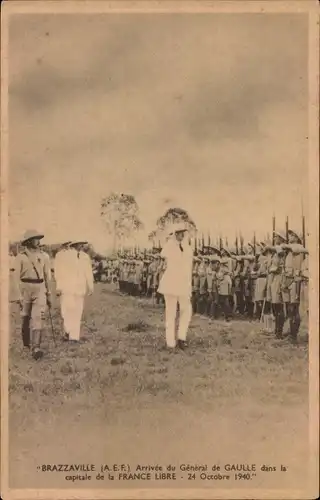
(207, 112)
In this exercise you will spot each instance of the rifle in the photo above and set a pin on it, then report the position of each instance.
(241, 243)
(254, 243)
(52, 329)
(273, 228)
(237, 245)
(287, 229)
(303, 227)
(220, 244)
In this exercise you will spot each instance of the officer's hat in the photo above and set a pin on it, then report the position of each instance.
(290, 231)
(31, 234)
(280, 234)
(226, 250)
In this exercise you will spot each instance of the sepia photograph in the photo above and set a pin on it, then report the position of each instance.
(157, 230)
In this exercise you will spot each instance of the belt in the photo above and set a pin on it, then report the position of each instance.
(31, 280)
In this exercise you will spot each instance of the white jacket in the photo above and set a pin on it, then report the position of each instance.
(177, 277)
(73, 272)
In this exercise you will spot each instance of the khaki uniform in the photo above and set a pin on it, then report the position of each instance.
(32, 276)
(195, 286)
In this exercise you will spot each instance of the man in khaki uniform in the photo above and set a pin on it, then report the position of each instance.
(291, 284)
(276, 275)
(32, 290)
(195, 284)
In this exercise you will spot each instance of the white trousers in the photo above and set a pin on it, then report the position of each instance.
(71, 311)
(171, 314)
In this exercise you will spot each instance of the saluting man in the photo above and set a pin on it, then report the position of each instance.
(292, 278)
(74, 279)
(32, 290)
(175, 284)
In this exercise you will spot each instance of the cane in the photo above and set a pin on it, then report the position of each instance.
(52, 329)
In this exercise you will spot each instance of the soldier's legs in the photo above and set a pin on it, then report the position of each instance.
(249, 307)
(240, 302)
(259, 306)
(225, 306)
(194, 301)
(37, 318)
(294, 320)
(278, 312)
(201, 303)
(209, 310)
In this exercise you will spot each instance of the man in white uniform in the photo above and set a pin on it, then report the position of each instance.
(176, 284)
(74, 279)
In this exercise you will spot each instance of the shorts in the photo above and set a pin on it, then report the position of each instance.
(34, 303)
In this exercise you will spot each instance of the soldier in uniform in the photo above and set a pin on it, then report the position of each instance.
(212, 283)
(202, 273)
(144, 277)
(291, 284)
(152, 271)
(125, 275)
(32, 290)
(248, 263)
(275, 283)
(225, 284)
(138, 276)
(263, 272)
(238, 285)
(195, 284)
(304, 308)
(131, 276)
(159, 274)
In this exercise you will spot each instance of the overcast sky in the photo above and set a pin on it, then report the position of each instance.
(207, 112)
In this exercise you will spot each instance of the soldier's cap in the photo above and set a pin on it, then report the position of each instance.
(267, 248)
(226, 250)
(31, 234)
(214, 249)
(280, 234)
(290, 231)
(214, 258)
(196, 258)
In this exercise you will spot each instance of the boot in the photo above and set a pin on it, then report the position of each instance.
(25, 331)
(36, 342)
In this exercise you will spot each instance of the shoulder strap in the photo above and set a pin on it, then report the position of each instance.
(34, 267)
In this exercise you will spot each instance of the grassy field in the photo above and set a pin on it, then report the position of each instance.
(236, 395)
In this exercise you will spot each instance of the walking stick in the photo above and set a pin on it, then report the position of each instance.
(263, 307)
(52, 329)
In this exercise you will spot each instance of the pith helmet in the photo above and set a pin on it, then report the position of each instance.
(31, 234)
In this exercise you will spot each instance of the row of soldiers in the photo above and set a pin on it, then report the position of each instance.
(265, 281)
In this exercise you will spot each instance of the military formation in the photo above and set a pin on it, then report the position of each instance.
(265, 281)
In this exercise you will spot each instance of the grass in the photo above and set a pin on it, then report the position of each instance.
(231, 370)
(125, 354)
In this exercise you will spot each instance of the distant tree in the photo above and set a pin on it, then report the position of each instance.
(120, 214)
(171, 216)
